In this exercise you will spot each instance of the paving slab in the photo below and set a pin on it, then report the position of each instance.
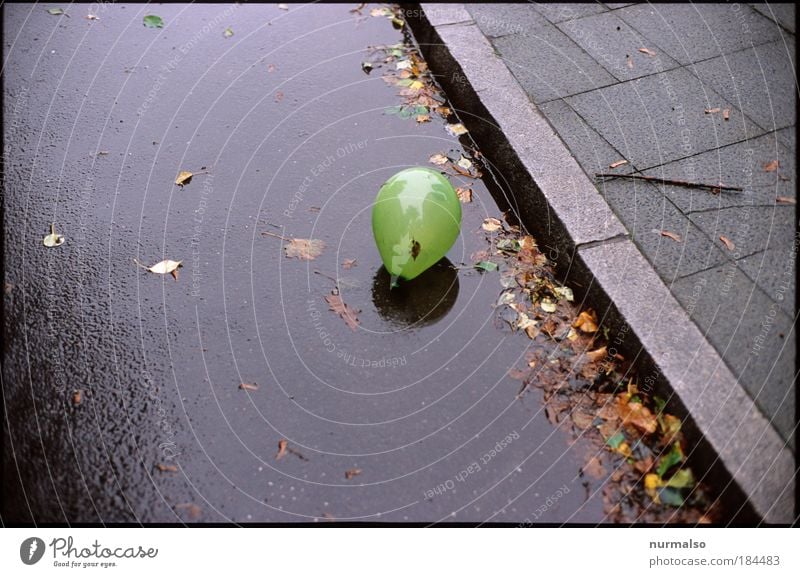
(660, 118)
(753, 334)
(559, 12)
(760, 81)
(740, 165)
(774, 270)
(549, 65)
(782, 13)
(616, 46)
(649, 215)
(693, 32)
(497, 20)
(591, 150)
(751, 230)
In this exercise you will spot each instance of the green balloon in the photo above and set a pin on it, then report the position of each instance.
(415, 221)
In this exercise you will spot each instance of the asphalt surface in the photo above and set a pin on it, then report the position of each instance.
(100, 117)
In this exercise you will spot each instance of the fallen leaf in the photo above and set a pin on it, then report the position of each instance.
(283, 6)
(629, 61)
(594, 468)
(416, 85)
(271, 68)
(192, 510)
(304, 248)
(349, 474)
(167, 468)
(337, 305)
(617, 163)
(464, 163)
(376, 12)
(153, 21)
(102, 152)
(53, 239)
(711, 110)
(77, 397)
(423, 118)
(785, 200)
(683, 479)
(282, 445)
(726, 114)
(486, 265)
(669, 460)
(586, 321)
(456, 129)
(228, 32)
(184, 177)
(637, 414)
(582, 420)
(464, 194)
(91, 17)
(652, 482)
(443, 111)
(278, 96)
(727, 242)
(163, 267)
(597, 354)
(547, 305)
(491, 224)
(771, 166)
(647, 51)
(366, 67)
(438, 159)
(55, 11)
(672, 235)
(348, 263)
(248, 386)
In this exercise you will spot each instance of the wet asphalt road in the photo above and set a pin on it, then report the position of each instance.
(295, 141)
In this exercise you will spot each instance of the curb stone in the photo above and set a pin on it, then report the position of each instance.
(595, 253)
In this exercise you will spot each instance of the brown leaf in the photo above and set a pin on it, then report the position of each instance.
(552, 414)
(711, 110)
(597, 355)
(348, 263)
(726, 114)
(248, 387)
(727, 242)
(582, 420)
(349, 474)
(282, 445)
(672, 235)
(637, 414)
(438, 159)
(629, 61)
(337, 305)
(278, 96)
(304, 248)
(586, 321)
(617, 163)
(461, 170)
(77, 397)
(167, 468)
(594, 468)
(191, 509)
(644, 465)
(271, 68)
(423, 118)
(517, 374)
(785, 200)
(464, 194)
(771, 166)
(647, 51)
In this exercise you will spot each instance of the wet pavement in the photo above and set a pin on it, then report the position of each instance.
(415, 404)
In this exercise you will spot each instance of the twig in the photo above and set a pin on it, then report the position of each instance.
(713, 187)
(335, 282)
(267, 233)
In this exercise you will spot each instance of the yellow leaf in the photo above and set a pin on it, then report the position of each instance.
(416, 85)
(457, 129)
(586, 321)
(184, 177)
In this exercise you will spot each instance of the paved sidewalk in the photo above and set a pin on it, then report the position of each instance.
(633, 82)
